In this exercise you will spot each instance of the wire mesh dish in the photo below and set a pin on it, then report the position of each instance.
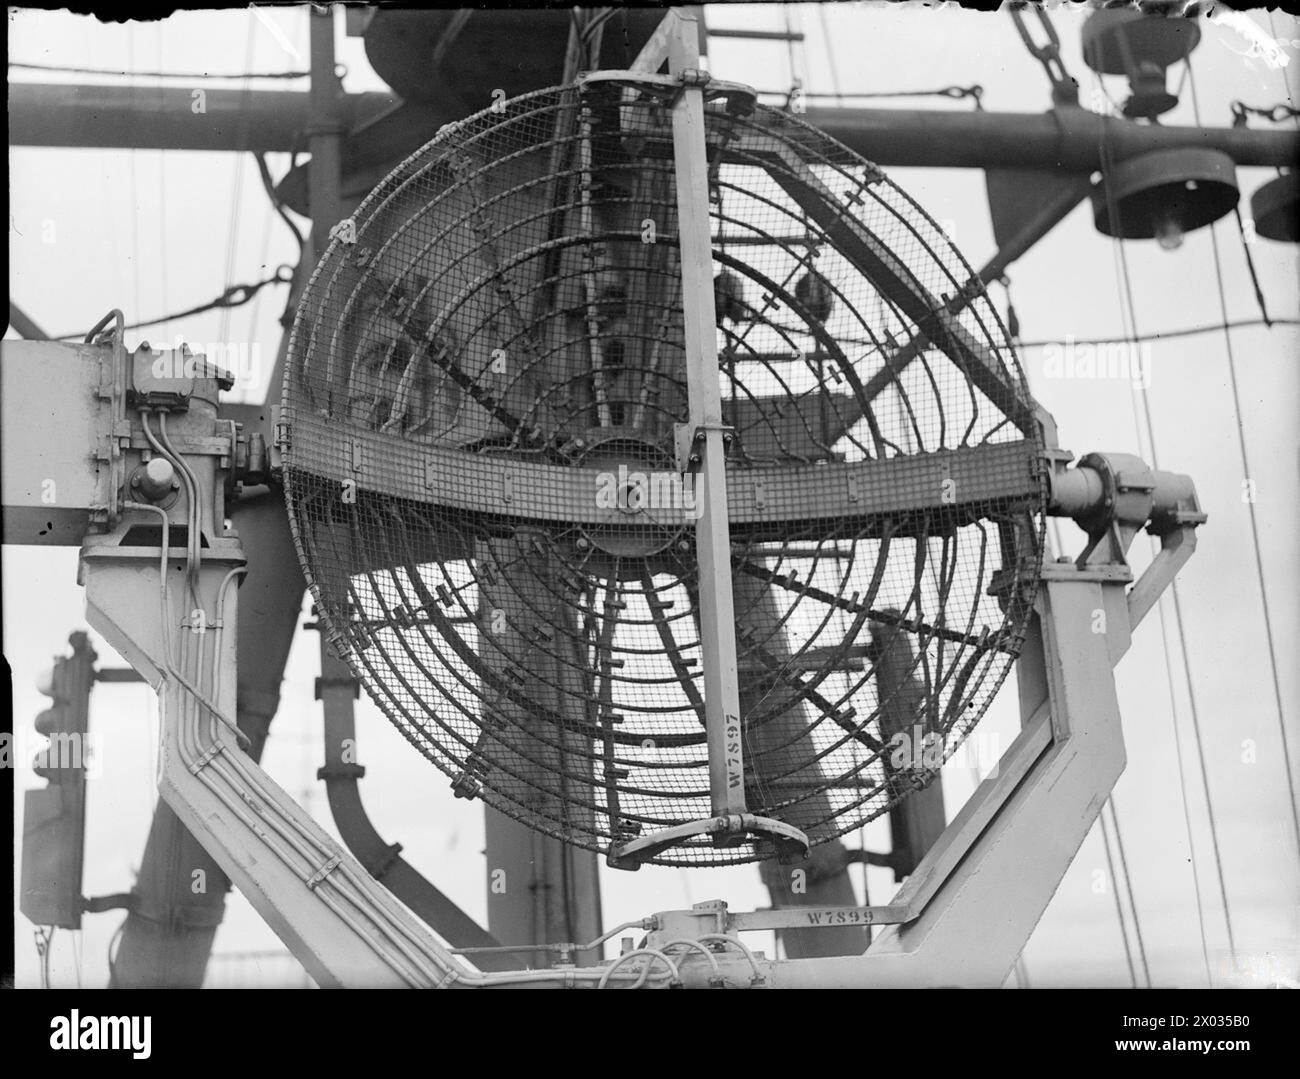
(485, 384)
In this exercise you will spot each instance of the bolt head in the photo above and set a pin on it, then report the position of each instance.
(159, 471)
(156, 479)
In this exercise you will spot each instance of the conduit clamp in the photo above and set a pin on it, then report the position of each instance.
(740, 98)
(324, 871)
(206, 757)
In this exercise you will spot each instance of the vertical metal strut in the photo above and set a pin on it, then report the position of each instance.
(712, 539)
(702, 450)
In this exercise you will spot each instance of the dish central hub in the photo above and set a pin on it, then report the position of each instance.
(636, 479)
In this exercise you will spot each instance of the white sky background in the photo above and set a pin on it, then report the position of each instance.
(150, 232)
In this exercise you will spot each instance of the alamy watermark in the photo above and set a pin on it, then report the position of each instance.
(1119, 360)
(130, 1033)
(916, 749)
(633, 492)
(62, 750)
(242, 360)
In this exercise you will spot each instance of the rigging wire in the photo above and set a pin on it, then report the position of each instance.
(1182, 788)
(1119, 907)
(237, 183)
(1189, 331)
(108, 188)
(1125, 339)
(264, 254)
(1182, 80)
(277, 204)
(162, 205)
(1128, 887)
(1126, 283)
(1173, 700)
(1250, 265)
(1169, 682)
(591, 33)
(1127, 312)
(131, 73)
(1058, 545)
(833, 69)
(1250, 509)
(799, 67)
(234, 296)
(256, 306)
(135, 194)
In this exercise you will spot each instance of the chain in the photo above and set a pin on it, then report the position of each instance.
(1064, 89)
(1275, 114)
(234, 296)
(974, 92)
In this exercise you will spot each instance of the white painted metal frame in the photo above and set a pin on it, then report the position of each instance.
(343, 926)
(712, 538)
(968, 910)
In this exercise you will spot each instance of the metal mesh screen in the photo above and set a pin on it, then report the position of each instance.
(483, 382)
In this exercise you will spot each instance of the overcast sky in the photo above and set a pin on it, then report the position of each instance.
(154, 232)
